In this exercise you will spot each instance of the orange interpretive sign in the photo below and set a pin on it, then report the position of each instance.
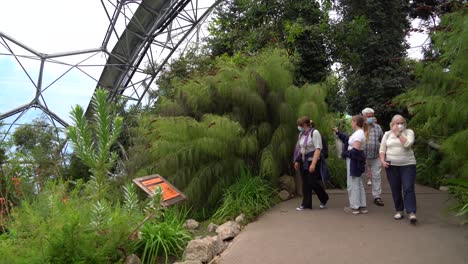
(170, 194)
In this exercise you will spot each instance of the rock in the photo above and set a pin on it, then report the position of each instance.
(240, 219)
(200, 250)
(287, 183)
(228, 230)
(216, 260)
(189, 262)
(191, 224)
(283, 195)
(444, 188)
(219, 245)
(133, 259)
(212, 227)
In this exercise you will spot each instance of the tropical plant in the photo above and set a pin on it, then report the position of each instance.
(163, 237)
(92, 142)
(241, 116)
(437, 104)
(250, 195)
(62, 226)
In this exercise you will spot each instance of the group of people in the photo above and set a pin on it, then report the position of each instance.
(366, 151)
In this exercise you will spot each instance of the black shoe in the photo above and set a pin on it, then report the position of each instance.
(378, 201)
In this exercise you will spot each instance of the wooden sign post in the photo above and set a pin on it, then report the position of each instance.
(170, 194)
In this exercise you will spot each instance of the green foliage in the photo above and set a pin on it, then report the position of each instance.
(337, 168)
(459, 188)
(244, 115)
(438, 106)
(369, 41)
(249, 195)
(92, 142)
(40, 146)
(16, 169)
(198, 157)
(299, 26)
(163, 238)
(59, 226)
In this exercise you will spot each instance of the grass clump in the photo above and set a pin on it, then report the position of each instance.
(250, 195)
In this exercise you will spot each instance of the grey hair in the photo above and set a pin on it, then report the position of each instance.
(396, 117)
(367, 110)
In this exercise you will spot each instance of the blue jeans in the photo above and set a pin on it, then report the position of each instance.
(403, 177)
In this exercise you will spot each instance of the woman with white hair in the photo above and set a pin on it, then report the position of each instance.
(398, 159)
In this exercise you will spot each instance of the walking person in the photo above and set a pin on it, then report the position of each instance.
(355, 164)
(398, 159)
(371, 149)
(309, 161)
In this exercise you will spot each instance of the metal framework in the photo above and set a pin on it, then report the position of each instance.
(154, 32)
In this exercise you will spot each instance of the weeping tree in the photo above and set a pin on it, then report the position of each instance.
(438, 104)
(241, 116)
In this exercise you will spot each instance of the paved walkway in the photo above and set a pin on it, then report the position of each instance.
(283, 235)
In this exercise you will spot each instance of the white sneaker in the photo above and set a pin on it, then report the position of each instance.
(301, 208)
(412, 218)
(323, 206)
(369, 182)
(398, 215)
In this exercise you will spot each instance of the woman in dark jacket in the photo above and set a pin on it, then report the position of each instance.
(355, 163)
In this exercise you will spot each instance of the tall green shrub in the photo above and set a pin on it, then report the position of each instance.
(241, 116)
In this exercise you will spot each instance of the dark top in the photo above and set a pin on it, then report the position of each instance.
(357, 157)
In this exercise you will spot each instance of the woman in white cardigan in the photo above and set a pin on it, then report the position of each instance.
(398, 159)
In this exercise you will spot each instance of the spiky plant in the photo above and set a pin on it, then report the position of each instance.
(92, 140)
(130, 198)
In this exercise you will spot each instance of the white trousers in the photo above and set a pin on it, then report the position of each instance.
(375, 168)
(356, 191)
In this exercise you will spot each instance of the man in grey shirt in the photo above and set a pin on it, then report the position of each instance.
(371, 149)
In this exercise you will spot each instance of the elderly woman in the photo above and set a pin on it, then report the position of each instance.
(398, 159)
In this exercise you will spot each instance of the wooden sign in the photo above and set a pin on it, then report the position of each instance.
(170, 194)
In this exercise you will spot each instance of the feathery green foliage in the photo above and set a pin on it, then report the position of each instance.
(438, 105)
(93, 141)
(241, 117)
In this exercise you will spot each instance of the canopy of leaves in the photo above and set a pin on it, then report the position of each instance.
(370, 44)
(241, 116)
(299, 26)
(40, 146)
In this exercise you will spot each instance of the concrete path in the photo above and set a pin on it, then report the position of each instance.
(283, 235)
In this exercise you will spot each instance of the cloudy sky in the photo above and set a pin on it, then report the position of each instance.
(55, 26)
